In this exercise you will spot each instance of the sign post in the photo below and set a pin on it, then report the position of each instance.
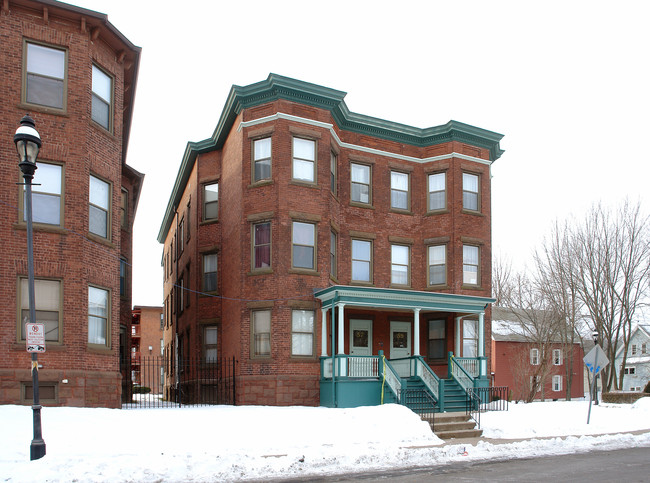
(596, 360)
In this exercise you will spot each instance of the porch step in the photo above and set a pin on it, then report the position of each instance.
(455, 425)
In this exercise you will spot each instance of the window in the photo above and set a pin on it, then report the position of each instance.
(102, 98)
(437, 191)
(45, 76)
(302, 332)
(360, 191)
(470, 265)
(437, 255)
(122, 277)
(634, 349)
(630, 370)
(210, 343)
(303, 253)
(124, 205)
(644, 348)
(534, 357)
(181, 295)
(470, 192)
(47, 392)
(210, 201)
(47, 302)
(557, 383)
(399, 264)
(261, 333)
(98, 218)
(187, 222)
(47, 201)
(210, 272)
(261, 159)
(181, 236)
(399, 190)
(470, 338)
(557, 357)
(98, 310)
(333, 258)
(333, 170)
(636, 388)
(361, 261)
(262, 245)
(304, 160)
(437, 340)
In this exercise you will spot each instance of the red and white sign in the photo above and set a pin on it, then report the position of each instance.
(35, 337)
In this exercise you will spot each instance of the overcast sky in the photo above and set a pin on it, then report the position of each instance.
(566, 82)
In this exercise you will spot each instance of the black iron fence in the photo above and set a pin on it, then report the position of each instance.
(420, 402)
(150, 381)
(482, 399)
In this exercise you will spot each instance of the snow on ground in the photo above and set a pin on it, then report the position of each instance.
(225, 443)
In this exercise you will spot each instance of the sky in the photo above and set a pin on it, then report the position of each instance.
(238, 443)
(566, 83)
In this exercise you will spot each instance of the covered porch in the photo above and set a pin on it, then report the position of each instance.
(386, 345)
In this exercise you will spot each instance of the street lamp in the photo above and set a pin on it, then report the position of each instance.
(28, 143)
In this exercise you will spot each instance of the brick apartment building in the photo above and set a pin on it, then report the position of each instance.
(302, 235)
(75, 74)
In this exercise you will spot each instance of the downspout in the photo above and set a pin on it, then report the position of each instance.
(333, 318)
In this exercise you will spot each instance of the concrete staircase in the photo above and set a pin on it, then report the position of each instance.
(455, 425)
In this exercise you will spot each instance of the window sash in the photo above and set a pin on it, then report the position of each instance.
(361, 260)
(47, 305)
(437, 191)
(304, 245)
(262, 159)
(210, 337)
(360, 183)
(333, 170)
(302, 332)
(211, 201)
(99, 202)
(98, 316)
(210, 272)
(45, 76)
(400, 264)
(304, 159)
(437, 264)
(470, 264)
(470, 338)
(333, 260)
(437, 340)
(534, 357)
(262, 333)
(262, 245)
(399, 190)
(470, 191)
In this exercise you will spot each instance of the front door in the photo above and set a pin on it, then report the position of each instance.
(360, 337)
(400, 339)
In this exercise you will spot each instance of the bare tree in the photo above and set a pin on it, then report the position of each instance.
(556, 279)
(613, 262)
(501, 280)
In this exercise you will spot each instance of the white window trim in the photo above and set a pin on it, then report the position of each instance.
(534, 357)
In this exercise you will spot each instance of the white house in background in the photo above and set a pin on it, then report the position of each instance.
(637, 365)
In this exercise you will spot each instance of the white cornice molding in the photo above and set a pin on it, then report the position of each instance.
(356, 147)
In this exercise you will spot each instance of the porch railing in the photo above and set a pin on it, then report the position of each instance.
(471, 365)
(429, 378)
(391, 378)
(459, 373)
(351, 366)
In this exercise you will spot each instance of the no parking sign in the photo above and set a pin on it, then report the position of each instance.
(35, 337)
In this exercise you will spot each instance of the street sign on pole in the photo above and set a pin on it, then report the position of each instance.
(35, 337)
(596, 360)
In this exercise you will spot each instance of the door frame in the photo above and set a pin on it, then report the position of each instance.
(361, 324)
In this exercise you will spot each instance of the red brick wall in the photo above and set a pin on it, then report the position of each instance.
(70, 253)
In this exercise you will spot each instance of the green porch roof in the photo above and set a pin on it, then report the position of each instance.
(280, 87)
(388, 298)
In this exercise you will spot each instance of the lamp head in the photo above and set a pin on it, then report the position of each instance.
(28, 143)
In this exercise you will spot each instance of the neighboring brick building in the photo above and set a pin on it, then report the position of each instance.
(532, 369)
(294, 206)
(75, 74)
(147, 348)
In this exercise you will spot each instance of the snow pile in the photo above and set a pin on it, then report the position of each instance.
(225, 443)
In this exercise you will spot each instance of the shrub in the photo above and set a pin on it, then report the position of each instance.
(141, 390)
(647, 388)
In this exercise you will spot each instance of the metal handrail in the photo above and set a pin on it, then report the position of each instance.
(473, 407)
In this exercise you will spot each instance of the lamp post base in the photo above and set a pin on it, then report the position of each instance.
(37, 448)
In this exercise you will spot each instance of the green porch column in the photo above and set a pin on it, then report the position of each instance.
(457, 337)
(323, 332)
(481, 345)
(416, 330)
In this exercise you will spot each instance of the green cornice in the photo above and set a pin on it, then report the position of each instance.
(279, 87)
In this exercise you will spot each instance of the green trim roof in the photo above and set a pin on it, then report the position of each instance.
(402, 299)
(280, 87)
